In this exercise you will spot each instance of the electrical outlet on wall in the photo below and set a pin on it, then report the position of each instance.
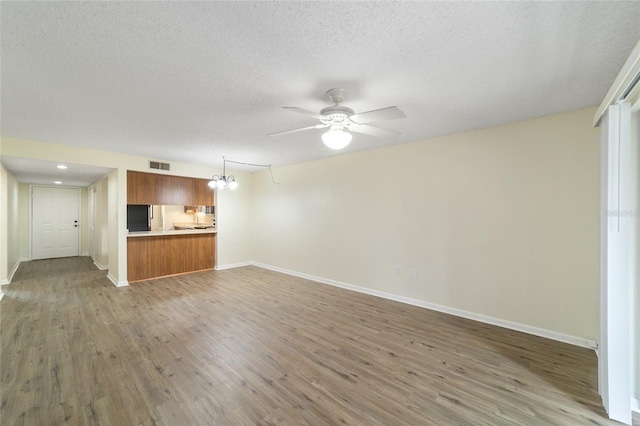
(395, 270)
(413, 273)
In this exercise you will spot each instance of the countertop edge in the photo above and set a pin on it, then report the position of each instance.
(172, 232)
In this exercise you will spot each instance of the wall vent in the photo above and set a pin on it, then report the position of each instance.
(159, 166)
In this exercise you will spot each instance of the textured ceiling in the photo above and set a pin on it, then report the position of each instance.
(193, 81)
(47, 172)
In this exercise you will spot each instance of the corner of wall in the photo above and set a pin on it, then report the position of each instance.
(234, 218)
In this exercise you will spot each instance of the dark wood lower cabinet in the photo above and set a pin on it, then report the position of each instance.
(158, 256)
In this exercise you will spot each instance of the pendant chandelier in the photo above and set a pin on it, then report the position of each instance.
(229, 182)
(224, 181)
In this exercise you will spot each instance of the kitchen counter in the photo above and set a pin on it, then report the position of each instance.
(181, 226)
(156, 254)
(171, 232)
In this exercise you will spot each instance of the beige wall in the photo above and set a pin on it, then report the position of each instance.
(116, 229)
(13, 215)
(4, 270)
(9, 219)
(234, 213)
(501, 222)
(230, 246)
(24, 233)
(84, 222)
(101, 226)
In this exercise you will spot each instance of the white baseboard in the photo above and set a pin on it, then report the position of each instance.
(13, 271)
(116, 282)
(233, 265)
(635, 405)
(1, 294)
(11, 274)
(553, 335)
(101, 267)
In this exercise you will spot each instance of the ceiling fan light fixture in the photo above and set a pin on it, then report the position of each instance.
(336, 138)
(340, 118)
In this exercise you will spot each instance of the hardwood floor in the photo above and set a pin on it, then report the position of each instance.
(251, 346)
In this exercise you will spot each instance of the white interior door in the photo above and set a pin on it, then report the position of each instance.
(55, 222)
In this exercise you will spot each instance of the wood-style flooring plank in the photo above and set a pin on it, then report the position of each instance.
(250, 346)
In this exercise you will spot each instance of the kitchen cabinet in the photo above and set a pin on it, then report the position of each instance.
(173, 190)
(161, 255)
(202, 193)
(141, 188)
(152, 188)
(157, 255)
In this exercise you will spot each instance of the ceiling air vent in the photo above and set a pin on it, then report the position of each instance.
(159, 166)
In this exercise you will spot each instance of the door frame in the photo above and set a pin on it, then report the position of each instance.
(79, 193)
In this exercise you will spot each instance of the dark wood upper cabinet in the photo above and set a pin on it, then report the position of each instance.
(141, 188)
(202, 193)
(172, 190)
(151, 188)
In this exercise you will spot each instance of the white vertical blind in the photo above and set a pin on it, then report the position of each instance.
(614, 367)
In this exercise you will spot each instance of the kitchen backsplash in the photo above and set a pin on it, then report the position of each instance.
(176, 214)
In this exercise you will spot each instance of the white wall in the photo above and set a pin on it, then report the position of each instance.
(500, 222)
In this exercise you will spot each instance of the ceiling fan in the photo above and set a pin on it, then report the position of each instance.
(339, 119)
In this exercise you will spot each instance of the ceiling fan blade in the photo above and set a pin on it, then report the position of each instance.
(373, 131)
(317, 126)
(389, 113)
(305, 112)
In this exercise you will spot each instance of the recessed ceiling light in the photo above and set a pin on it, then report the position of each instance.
(61, 166)
(57, 182)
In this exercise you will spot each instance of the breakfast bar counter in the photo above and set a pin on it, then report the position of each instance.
(154, 254)
(170, 232)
